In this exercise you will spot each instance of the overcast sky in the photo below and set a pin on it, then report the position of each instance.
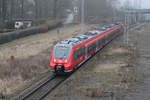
(145, 3)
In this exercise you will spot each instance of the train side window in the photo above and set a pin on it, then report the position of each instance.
(99, 42)
(82, 50)
(79, 52)
(89, 48)
(94, 45)
(86, 49)
(108, 36)
(75, 55)
(103, 39)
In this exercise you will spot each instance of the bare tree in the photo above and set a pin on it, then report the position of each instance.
(55, 8)
(3, 6)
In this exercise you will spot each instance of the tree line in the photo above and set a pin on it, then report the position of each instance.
(43, 9)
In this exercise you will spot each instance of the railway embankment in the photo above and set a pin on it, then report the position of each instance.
(140, 39)
(25, 61)
(110, 75)
(114, 73)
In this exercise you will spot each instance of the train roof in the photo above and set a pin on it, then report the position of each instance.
(80, 38)
(102, 28)
(92, 33)
(70, 41)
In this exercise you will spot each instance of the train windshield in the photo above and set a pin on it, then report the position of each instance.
(61, 52)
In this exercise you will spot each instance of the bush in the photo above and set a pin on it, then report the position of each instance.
(9, 36)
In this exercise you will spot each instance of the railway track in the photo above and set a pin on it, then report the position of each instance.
(42, 89)
(49, 84)
(45, 87)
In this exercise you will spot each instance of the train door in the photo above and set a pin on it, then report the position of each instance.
(79, 56)
(83, 52)
(106, 39)
(75, 58)
(103, 41)
(100, 43)
(87, 51)
(97, 45)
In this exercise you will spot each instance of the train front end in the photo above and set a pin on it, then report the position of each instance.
(60, 61)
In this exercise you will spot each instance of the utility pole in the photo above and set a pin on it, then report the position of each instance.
(139, 4)
(126, 27)
(126, 24)
(22, 10)
(82, 16)
(36, 9)
(1, 14)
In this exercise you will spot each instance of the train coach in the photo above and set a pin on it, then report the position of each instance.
(69, 54)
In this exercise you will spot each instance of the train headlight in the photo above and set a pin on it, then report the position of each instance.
(66, 61)
(54, 60)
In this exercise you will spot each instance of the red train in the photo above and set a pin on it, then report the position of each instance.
(68, 54)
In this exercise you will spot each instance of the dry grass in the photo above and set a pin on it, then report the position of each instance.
(22, 60)
(108, 76)
(33, 45)
(17, 72)
(109, 67)
(7, 86)
(98, 92)
(115, 75)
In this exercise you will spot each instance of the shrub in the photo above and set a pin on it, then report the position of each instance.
(9, 36)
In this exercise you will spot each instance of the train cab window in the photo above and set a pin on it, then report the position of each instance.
(61, 52)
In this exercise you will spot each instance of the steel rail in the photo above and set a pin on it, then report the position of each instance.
(56, 84)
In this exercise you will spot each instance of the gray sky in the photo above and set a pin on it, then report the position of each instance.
(145, 3)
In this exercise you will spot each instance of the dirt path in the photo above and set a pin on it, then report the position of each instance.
(143, 45)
